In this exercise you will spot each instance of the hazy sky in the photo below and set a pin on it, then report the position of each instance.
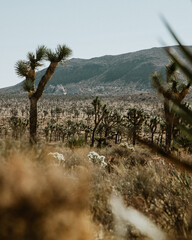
(90, 28)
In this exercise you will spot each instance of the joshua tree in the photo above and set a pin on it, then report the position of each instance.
(152, 124)
(182, 110)
(110, 127)
(134, 119)
(177, 92)
(99, 113)
(28, 69)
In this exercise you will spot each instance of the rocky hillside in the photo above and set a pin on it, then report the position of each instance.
(107, 75)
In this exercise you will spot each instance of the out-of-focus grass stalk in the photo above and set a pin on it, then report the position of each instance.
(134, 217)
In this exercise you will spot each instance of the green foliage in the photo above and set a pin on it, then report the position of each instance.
(22, 68)
(34, 60)
(59, 55)
(75, 141)
(40, 53)
(28, 85)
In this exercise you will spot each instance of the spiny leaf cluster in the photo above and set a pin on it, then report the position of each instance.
(34, 60)
(59, 55)
(28, 85)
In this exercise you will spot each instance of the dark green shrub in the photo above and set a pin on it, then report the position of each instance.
(76, 142)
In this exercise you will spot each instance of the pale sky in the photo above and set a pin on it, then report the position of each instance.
(91, 28)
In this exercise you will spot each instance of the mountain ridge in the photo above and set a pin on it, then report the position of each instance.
(105, 75)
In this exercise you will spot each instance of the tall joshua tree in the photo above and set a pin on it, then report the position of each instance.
(173, 90)
(28, 69)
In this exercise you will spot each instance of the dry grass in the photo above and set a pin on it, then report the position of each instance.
(148, 184)
(41, 199)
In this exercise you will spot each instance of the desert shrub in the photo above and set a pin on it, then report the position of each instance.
(41, 202)
(161, 195)
(148, 184)
(76, 142)
(77, 159)
(97, 159)
(39, 196)
(136, 158)
(120, 151)
(101, 189)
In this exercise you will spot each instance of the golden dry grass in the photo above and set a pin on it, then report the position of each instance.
(42, 199)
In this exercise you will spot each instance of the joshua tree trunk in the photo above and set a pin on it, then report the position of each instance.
(34, 97)
(116, 138)
(106, 136)
(93, 137)
(86, 137)
(33, 120)
(134, 136)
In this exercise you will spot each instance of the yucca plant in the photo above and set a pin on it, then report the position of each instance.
(172, 88)
(27, 69)
(174, 99)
